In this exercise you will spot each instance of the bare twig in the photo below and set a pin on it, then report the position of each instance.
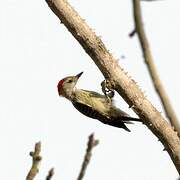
(90, 145)
(123, 84)
(36, 158)
(132, 33)
(152, 68)
(50, 174)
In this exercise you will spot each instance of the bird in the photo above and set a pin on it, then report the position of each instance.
(93, 104)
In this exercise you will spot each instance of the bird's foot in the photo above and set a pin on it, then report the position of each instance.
(107, 89)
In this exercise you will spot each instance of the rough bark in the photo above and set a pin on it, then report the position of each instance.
(123, 84)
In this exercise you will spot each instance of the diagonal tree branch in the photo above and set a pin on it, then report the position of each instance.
(123, 84)
(36, 158)
(90, 145)
(152, 68)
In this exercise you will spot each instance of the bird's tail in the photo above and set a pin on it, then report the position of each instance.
(128, 119)
(125, 128)
(117, 123)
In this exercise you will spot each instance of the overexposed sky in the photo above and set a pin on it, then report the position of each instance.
(37, 51)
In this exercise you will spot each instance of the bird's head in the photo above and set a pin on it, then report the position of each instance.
(66, 86)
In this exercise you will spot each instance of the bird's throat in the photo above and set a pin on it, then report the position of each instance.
(69, 94)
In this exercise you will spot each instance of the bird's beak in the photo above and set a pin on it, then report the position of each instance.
(79, 75)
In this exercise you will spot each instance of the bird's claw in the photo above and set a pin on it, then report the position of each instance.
(107, 89)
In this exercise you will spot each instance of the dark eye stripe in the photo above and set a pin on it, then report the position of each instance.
(70, 81)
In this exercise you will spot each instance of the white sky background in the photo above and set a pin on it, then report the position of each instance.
(37, 51)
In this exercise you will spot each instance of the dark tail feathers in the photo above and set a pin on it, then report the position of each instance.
(120, 122)
(126, 119)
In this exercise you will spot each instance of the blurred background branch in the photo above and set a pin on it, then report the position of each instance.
(92, 142)
(50, 174)
(149, 61)
(36, 158)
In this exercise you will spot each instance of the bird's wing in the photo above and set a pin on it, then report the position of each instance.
(99, 107)
(92, 113)
(94, 100)
(88, 111)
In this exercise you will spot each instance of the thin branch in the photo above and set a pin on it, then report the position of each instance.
(123, 84)
(36, 158)
(50, 174)
(90, 145)
(152, 68)
(132, 33)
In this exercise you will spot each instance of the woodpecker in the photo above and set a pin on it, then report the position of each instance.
(93, 104)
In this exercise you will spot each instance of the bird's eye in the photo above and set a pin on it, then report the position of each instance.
(70, 81)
